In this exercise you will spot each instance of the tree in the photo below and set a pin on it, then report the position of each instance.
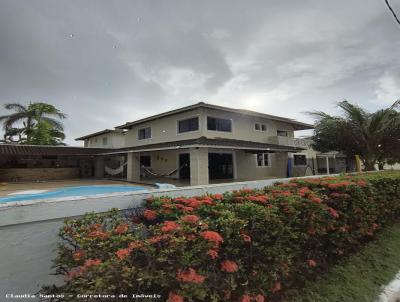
(36, 121)
(374, 136)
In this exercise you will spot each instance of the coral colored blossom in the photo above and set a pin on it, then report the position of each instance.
(333, 213)
(246, 238)
(78, 255)
(170, 226)
(172, 297)
(190, 218)
(135, 245)
(212, 237)
(245, 298)
(92, 262)
(276, 287)
(98, 234)
(150, 215)
(311, 262)
(122, 228)
(123, 253)
(229, 266)
(157, 239)
(316, 199)
(190, 275)
(218, 196)
(259, 298)
(213, 253)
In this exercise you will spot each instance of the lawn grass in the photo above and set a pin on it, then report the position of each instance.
(360, 277)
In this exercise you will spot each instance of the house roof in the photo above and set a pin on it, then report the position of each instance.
(13, 149)
(105, 131)
(209, 142)
(297, 125)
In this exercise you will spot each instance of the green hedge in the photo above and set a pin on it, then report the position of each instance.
(248, 245)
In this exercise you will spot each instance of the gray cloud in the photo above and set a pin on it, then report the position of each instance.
(105, 63)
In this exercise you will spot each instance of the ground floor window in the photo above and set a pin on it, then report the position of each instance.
(145, 161)
(299, 159)
(263, 160)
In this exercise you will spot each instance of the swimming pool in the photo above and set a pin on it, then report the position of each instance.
(71, 191)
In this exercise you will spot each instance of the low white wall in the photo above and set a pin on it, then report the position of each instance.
(28, 233)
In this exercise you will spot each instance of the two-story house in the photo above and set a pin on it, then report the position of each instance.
(201, 143)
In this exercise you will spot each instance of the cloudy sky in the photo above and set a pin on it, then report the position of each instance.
(107, 62)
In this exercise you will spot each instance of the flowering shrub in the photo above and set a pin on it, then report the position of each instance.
(247, 245)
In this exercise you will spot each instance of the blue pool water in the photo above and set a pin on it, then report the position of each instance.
(71, 191)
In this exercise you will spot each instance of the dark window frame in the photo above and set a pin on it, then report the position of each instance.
(146, 134)
(218, 124)
(280, 132)
(296, 159)
(194, 122)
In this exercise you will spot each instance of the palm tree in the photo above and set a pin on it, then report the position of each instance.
(374, 136)
(30, 116)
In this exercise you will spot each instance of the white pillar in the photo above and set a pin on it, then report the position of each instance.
(99, 167)
(327, 165)
(199, 166)
(133, 167)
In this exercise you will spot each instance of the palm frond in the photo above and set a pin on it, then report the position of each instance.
(16, 107)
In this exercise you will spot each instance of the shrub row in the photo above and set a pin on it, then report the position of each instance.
(248, 245)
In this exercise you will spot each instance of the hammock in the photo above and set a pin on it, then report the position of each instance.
(116, 171)
(152, 173)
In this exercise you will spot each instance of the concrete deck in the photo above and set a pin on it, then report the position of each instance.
(7, 188)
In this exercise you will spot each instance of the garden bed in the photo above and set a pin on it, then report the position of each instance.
(248, 245)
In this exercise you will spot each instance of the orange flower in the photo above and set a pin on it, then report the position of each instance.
(190, 276)
(311, 262)
(172, 297)
(212, 237)
(246, 238)
(78, 255)
(245, 298)
(150, 215)
(213, 253)
(92, 262)
(123, 253)
(276, 287)
(218, 196)
(229, 266)
(75, 272)
(98, 234)
(259, 298)
(190, 218)
(333, 212)
(316, 199)
(135, 245)
(170, 226)
(122, 228)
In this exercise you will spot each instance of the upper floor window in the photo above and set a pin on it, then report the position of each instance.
(188, 125)
(263, 160)
(144, 133)
(260, 127)
(219, 124)
(105, 141)
(282, 133)
(299, 159)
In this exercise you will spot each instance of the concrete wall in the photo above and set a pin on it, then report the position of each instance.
(34, 174)
(28, 233)
(247, 169)
(114, 140)
(165, 129)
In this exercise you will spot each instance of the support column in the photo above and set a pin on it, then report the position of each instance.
(199, 166)
(327, 165)
(133, 167)
(99, 167)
